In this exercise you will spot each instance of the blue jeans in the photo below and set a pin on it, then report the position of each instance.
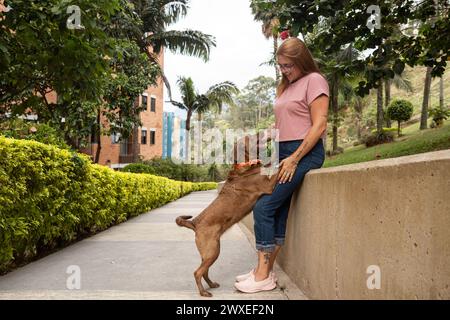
(270, 212)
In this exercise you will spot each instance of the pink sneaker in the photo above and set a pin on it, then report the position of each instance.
(251, 286)
(243, 277)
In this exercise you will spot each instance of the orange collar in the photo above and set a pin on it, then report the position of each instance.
(247, 164)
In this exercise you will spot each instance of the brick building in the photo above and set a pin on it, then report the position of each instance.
(116, 153)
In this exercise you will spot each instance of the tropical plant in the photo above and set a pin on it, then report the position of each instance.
(157, 16)
(438, 115)
(192, 101)
(270, 27)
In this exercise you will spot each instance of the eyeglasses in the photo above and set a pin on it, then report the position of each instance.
(286, 66)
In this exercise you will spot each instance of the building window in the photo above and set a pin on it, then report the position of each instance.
(152, 104)
(144, 102)
(115, 138)
(152, 137)
(144, 137)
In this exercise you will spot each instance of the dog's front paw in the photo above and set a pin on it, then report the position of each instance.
(214, 285)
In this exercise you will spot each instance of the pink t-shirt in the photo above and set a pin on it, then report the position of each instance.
(292, 114)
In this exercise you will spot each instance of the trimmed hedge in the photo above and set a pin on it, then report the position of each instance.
(50, 197)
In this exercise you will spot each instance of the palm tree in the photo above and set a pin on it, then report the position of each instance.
(359, 106)
(380, 110)
(439, 14)
(194, 102)
(149, 30)
(426, 99)
(270, 26)
(339, 80)
(156, 16)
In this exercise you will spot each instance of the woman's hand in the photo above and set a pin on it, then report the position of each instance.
(287, 169)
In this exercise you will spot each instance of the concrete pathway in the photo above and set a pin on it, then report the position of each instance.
(147, 257)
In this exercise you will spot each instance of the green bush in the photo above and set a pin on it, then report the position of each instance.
(439, 115)
(19, 129)
(375, 138)
(400, 110)
(374, 131)
(50, 197)
(182, 172)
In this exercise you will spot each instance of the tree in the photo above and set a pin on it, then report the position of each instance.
(132, 75)
(213, 172)
(380, 111)
(440, 11)
(41, 54)
(347, 24)
(425, 99)
(254, 105)
(90, 66)
(358, 106)
(348, 20)
(400, 110)
(270, 27)
(157, 16)
(335, 68)
(400, 82)
(195, 102)
(441, 92)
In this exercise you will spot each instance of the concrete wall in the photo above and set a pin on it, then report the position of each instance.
(394, 214)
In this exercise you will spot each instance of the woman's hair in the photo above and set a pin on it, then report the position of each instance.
(296, 50)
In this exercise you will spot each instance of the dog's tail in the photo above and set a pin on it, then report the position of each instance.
(183, 221)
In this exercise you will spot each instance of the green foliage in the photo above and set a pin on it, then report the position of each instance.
(439, 115)
(194, 102)
(50, 197)
(213, 172)
(180, 172)
(384, 130)
(156, 15)
(378, 138)
(132, 74)
(400, 110)
(42, 53)
(104, 65)
(419, 142)
(19, 129)
(393, 48)
(254, 106)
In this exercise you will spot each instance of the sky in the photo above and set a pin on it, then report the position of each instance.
(240, 48)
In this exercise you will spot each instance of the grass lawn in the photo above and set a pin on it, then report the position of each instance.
(414, 141)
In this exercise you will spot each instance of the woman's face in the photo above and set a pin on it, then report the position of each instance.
(288, 68)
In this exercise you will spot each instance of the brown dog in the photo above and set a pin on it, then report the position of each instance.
(244, 185)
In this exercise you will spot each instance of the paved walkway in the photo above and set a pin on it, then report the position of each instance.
(147, 257)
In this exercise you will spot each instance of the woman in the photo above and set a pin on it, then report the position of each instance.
(301, 110)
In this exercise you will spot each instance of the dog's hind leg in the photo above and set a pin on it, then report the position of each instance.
(211, 284)
(209, 251)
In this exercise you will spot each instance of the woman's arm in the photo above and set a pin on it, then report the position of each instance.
(319, 115)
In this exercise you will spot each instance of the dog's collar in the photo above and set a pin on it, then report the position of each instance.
(247, 164)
